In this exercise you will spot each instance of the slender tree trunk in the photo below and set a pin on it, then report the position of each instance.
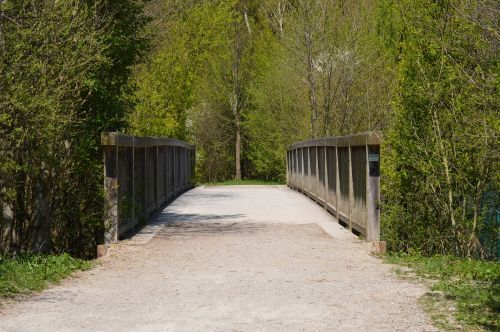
(446, 167)
(327, 103)
(311, 80)
(236, 96)
(310, 77)
(281, 16)
(238, 152)
(247, 21)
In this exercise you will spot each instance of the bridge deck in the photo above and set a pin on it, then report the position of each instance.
(253, 258)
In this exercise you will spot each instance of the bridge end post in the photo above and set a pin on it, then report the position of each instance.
(373, 193)
(110, 191)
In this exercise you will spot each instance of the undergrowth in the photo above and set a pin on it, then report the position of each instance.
(470, 287)
(27, 273)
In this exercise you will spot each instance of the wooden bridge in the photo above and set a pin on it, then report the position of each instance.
(340, 173)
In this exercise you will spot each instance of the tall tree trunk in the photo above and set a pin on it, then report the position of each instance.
(238, 152)
(235, 100)
(310, 76)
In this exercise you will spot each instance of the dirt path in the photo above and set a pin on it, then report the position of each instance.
(231, 259)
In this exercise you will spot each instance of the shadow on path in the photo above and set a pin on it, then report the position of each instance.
(183, 224)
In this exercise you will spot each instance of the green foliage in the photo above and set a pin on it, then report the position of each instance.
(273, 121)
(166, 84)
(472, 285)
(29, 273)
(441, 156)
(182, 87)
(64, 69)
(229, 73)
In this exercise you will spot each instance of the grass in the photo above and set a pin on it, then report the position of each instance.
(30, 273)
(465, 294)
(243, 182)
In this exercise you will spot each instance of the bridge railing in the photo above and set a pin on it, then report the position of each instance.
(343, 175)
(141, 174)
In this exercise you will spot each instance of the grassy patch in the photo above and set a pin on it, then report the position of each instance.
(35, 272)
(465, 294)
(243, 182)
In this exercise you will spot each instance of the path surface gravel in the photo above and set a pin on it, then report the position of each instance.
(233, 258)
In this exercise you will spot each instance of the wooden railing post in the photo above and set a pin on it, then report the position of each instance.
(351, 191)
(145, 194)
(303, 177)
(157, 178)
(316, 176)
(309, 176)
(289, 170)
(167, 172)
(373, 193)
(111, 193)
(133, 184)
(337, 183)
(325, 175)
(174, 170)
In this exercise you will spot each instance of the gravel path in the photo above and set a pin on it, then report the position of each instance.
(253, 258)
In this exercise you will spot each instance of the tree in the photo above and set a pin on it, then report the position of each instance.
(442, 150)
(63, 73)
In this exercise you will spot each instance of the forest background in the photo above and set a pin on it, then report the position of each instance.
(242, 79)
